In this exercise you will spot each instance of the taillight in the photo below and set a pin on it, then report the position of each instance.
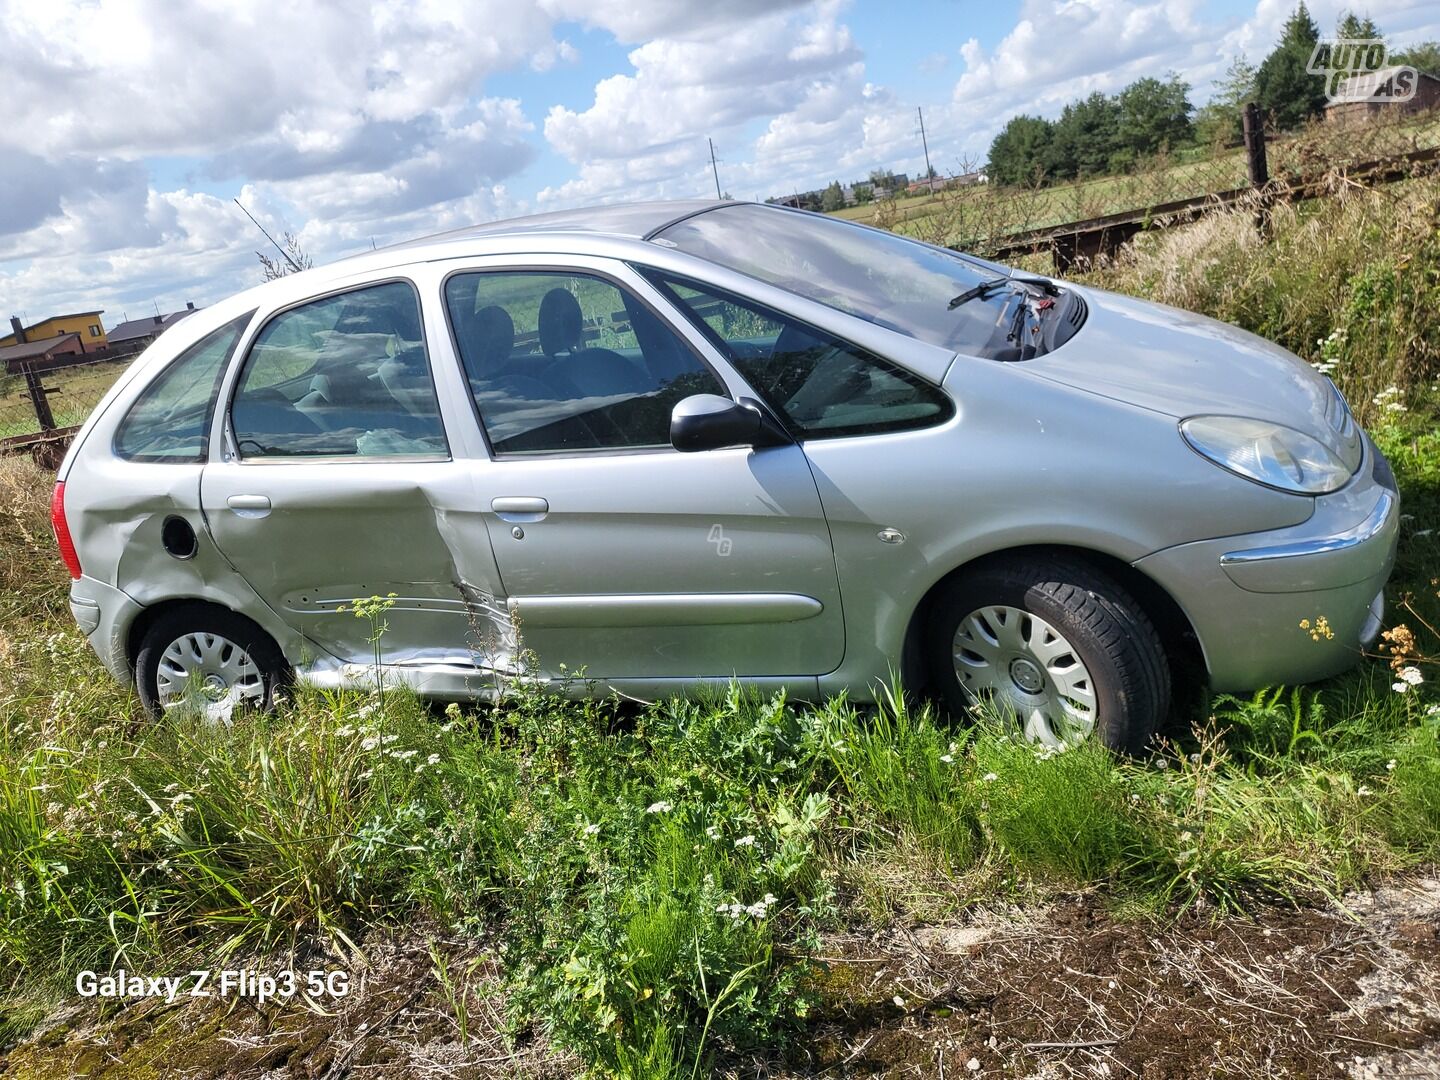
(62, 531)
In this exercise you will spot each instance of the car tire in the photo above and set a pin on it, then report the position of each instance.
(1057, 644)
(238, 664)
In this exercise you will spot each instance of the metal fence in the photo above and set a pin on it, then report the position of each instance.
(46, 404)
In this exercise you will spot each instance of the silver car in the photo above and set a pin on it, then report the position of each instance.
(649, 448)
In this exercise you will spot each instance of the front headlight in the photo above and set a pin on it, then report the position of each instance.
(1267, 453)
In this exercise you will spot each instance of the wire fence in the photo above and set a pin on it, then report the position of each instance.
(40, 403)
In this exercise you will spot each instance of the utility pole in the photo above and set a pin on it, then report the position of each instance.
(928, 171)
(714, 169)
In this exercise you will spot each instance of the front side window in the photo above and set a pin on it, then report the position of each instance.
(170, 420)
(342, 376)
(821, 386)
(564, 362)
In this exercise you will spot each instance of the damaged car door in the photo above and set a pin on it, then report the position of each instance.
(336, 484)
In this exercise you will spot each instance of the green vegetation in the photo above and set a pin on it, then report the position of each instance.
(78, 391)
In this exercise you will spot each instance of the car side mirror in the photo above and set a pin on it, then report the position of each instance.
(711, 422)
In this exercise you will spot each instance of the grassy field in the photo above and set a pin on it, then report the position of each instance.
(746, 884)
(982, 215)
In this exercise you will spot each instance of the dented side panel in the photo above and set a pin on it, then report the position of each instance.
(340, 531)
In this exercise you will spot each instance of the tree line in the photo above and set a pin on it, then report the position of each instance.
(1108, 133)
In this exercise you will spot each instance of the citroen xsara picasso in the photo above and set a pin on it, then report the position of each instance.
(669, 445)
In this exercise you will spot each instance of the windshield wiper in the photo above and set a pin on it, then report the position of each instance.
(978, 291)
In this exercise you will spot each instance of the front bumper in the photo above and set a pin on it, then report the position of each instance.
(1247, 596)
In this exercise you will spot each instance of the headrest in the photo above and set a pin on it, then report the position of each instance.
(560, 321)
(489, 338)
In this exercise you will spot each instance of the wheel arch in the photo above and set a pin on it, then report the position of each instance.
(1183, 651)
(153, 613)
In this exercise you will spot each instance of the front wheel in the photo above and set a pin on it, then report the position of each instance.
(1055, 644)
(209, 660)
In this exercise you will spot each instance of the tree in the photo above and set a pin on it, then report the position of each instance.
(1352, 28)
(292, 262)
(1422, 57)
(1154, 114)
(1087, 135)
(1289, 93)
(1018, 154)
(833, 198)
(1219, 120)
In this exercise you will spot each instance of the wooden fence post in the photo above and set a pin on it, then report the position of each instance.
(38, 399)
(1254, 128)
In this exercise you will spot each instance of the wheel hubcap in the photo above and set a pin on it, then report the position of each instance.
(1019, 662)
(208, 673)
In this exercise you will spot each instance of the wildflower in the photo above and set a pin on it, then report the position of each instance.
(370, 742)
(948, 759)
(661, 807)
(433, 759)
(1363, 790)
(345, 732)
(990, 777)
(590, 830)
(745, 841)
(1390, 765)
(1411, 675)
(712, 832)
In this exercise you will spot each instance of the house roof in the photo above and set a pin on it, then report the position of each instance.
(146, 327)
(28, 349)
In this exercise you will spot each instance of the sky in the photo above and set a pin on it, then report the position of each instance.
(127, 127)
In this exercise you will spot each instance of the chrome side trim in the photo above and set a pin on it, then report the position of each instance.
(1354, 537)
(663, 609)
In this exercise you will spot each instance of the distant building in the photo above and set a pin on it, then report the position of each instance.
(1384, 87)
(84, 323)
(140, 332)
(39, 354)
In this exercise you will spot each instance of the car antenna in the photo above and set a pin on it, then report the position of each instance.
(283, 253)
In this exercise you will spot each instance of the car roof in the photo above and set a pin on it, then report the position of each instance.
(631, 221)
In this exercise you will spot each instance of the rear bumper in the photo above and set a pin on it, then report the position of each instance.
(1293, 605)
(105, 615)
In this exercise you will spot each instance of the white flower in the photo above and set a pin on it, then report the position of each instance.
(745, 841)
(433, 759)
(1363, 790)
(947, 758)
(590, 830)
(712, 832)
(989, 777)
(1400, 687)
(1411, 675)
(661, 807)
(1390, 765)
(370, 742)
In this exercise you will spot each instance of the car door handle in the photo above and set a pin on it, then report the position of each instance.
(519, 508)
(249, 505)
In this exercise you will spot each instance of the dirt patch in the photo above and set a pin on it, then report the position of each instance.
(1074, 991)
(1070, 990)
(399, 1020)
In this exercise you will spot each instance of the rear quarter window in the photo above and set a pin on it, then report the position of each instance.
(169, 423)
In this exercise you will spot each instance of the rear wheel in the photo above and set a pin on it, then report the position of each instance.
(208, 660)
(1055, 644)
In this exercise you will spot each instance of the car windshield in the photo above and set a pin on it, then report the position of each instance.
(884, 278)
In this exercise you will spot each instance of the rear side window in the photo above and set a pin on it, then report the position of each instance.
(170, 420)
(342, 376)
(823, 387)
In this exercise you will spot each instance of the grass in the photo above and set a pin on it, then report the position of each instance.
(654, 880)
